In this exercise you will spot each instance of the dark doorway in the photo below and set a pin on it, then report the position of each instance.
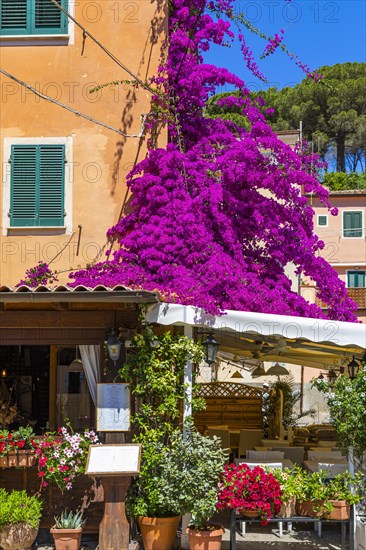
(25, 382)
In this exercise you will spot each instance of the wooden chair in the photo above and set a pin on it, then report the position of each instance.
(273, 456)
(295, 454)
(249, 439)
(222, 434)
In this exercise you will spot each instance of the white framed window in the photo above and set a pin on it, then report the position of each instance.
(352, 224)
(322, 220)
(36, 22)
(37, 185)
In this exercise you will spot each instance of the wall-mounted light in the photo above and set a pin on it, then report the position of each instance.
(114, 346)
(3, 373)
(353, 367)
(211, 348)
(332, 376)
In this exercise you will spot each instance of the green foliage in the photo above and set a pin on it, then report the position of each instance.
(212, 110)
(291, 399)
(333, 112)
(69, 520)
(346, 401)
(290, 480)
(338, 181)
(155, 369)
(179, 478)
(18, 507)
(315, 486)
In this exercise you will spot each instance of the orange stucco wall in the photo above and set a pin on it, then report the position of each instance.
(101, 158)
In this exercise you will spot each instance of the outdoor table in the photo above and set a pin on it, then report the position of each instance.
(312, 465)
(286, 463)
(236, 518)
(275, 443)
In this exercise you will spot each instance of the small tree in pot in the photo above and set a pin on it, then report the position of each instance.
(175, 479)
(204, 462)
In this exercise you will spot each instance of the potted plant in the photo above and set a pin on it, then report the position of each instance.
(253, 492)
(67, 530)
(204, 462)
(290, 479)
(156, 498)
(175, 478)
(62, 456)
(17, 448)
(20, 515)
(330, 499)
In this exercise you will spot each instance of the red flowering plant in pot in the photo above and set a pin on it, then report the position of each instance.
(252, 492)
(17, 447)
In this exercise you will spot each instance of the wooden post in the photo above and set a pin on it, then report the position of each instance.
(114, 529)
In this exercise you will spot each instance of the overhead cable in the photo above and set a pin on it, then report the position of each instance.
(74, 111)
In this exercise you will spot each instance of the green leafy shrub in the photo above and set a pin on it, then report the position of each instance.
(177, 478)
(18, 507)
(340, 181)
(346, 400)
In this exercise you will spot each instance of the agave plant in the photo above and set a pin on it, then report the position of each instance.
(70, 520)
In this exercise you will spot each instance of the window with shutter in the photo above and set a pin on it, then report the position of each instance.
(352, 224)
(356, 279)
(37, 185)
(29, 17)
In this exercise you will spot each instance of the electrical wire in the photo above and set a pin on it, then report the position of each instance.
(110, 54)
(77, 113)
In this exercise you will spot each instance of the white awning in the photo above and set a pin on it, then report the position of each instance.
(304, 341)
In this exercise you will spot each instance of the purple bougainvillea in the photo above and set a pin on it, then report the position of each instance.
(219, 213)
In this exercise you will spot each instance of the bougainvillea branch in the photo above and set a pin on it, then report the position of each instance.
(219, 213)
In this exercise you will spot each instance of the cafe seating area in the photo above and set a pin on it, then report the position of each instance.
(313, 454)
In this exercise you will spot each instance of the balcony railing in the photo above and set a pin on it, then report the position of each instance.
(358, 295)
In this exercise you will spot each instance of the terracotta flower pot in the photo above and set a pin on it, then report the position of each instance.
(158, 533)
(205, 540)
(249, 513)
(288, 509)
(66, 539)
(341, 509)
(18, 536)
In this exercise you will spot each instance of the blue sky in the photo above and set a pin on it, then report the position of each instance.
(320, 32)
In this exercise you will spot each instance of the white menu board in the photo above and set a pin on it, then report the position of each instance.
(113, 407)
(113, 460)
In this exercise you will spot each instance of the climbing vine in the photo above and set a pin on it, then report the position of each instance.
(154, 367)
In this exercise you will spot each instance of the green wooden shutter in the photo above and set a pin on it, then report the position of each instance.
(356, 279)
(352, 224)
(23, 208)
(37, 185)
(357, 224)
(14, 17)
(51, 185)
(48, 19)
(30, 17)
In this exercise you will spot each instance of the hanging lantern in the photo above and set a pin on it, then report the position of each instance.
(353, 367)
(211, 348)
(114, 347)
